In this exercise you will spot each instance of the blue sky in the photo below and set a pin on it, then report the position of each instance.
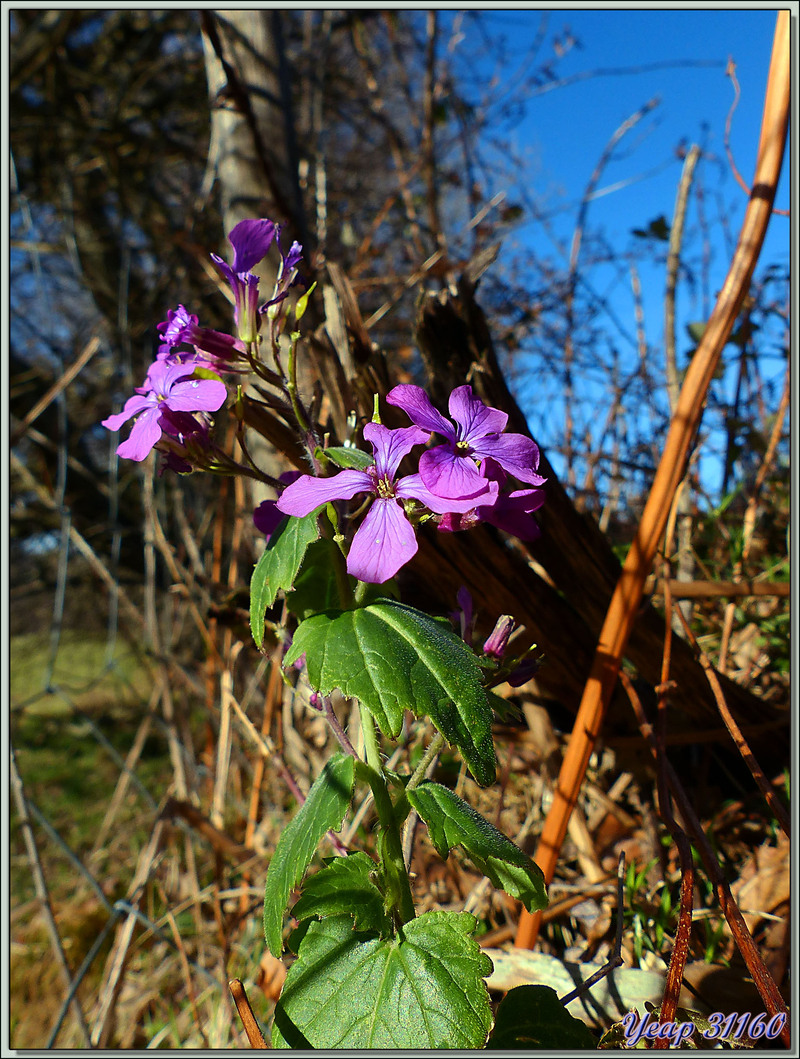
(565, 130)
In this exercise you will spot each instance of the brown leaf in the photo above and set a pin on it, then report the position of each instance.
(271, 976)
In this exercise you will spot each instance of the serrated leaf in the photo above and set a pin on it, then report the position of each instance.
(451, 822)
(423, 989)
(323, 810)
(394, 658)
(532, 1016)
(348, 457)
(278, 567)
(342, 887)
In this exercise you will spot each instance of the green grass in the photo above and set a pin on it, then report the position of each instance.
(67, 772)
(80, 672)
(70, 776)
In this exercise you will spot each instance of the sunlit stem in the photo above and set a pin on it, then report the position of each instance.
(434, 747)
(371, 748)
(291, 386)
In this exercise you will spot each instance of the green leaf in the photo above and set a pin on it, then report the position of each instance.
(323, 810)
(315, 587)
(278, 566)
(394, 658)
(505, 709)
(206, 373)
(348, 457)
(451, 822)
(344, 887)
(422, 989)
(532, 1016)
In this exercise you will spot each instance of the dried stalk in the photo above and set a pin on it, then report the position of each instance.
(251, 1027)
(627, 596)
(764, 982)
(18, 792)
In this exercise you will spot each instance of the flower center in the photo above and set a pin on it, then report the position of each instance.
(385, 487)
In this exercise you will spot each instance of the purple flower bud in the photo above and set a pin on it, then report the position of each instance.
(495, 646)
(523, 672)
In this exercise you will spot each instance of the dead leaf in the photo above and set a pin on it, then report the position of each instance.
(271, 976)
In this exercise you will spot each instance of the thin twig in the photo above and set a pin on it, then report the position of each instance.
(58, 386)
(251, 1027)
(730, 71)
(615, 960)
(115, 964)
(187, 974)
(764, 982)
(737, 735)
(680, 950)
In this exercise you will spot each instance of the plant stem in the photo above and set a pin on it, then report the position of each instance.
(371, 742)
(339, 564)
(390, 847)
(434, 747)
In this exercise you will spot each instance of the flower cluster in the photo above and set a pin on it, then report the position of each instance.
(463, 481)
(475, 473)
(182, 387)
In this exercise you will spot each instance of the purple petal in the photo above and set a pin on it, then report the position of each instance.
(515, 453)
(473, 417)
(495, 646)
(383, 543)
(417, 406)
(225, 269)
(512, 513)
(390, 446)
(413, 486)
(145, 433)
(451, 476)
(250, 240)
(178, 322)
(307, 493)
(218, 343)
(267, 518)
(134, 405)
(197, 395)
(293, 257)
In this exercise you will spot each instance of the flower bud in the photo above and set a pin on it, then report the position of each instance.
(495, 646)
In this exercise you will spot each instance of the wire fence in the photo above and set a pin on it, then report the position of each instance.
(161, 873)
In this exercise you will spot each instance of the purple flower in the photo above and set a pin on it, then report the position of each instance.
(251, 241)
(168, 388)
(287, 278)
(385, 540)
(450, 470)
(511, 512)
(183, 326)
